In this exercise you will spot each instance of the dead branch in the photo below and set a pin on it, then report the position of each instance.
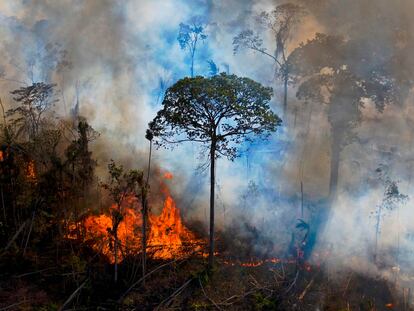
(14, 237)
(301, 296)
(174, 294)
(71, 297)
(293, 283)
(227, 302)
(30, 231)
(153, 271)
(34, 272)
(254, 282)
(144, 277)
(14, 305)
(208, 298)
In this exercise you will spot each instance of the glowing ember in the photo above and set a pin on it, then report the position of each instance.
(30, 171)
(168, 175)
(167, 238)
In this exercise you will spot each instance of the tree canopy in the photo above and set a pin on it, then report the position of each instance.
(224, 108)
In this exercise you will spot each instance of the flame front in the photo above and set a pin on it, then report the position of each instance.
(97, 232)
(168, 237)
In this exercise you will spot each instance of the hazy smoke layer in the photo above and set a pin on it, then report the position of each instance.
(116, 58)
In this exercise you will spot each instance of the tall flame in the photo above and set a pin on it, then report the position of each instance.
(168, 237)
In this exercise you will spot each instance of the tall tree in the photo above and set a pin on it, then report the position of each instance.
(219, 112)
(79, 167)
(143, 195)
(329, 73)
(392, 199)
(280, 22)
(189, 36)
(33, 101)
(79, 158)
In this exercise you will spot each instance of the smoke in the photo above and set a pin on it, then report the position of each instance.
(117, 58)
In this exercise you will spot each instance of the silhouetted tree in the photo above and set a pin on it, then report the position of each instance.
(189, 36)
(143, 195)
(219, 112)
(329, 75)
(392, 199)
(79, 158)
(79, 168)
(213, 68)
(280, 22)
(33, 101)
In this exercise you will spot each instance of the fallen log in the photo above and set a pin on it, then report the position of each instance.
(14, 237)
(301, 296)
(71, 297)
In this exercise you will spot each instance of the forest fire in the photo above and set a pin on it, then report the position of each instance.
(168, 237)
(290, 124)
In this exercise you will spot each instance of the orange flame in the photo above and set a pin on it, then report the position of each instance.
(168, 175)
(31, 171)
(168, 237)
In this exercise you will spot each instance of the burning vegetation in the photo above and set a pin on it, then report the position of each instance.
(168, 237)
(300, 199)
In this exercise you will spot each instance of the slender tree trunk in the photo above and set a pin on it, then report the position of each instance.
(192, 62)
(144, 235)
(335, 159)
(212, 189)
(145, 217)
(301, 199)
(30, 232)
(377, 231)
(285, 93)
(116, 255)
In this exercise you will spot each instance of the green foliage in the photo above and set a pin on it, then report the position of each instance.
(51, 306)
(203, 276)
(263, 303)
(223, 109)
(199, 306)
(33, 101)
(122, 182)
